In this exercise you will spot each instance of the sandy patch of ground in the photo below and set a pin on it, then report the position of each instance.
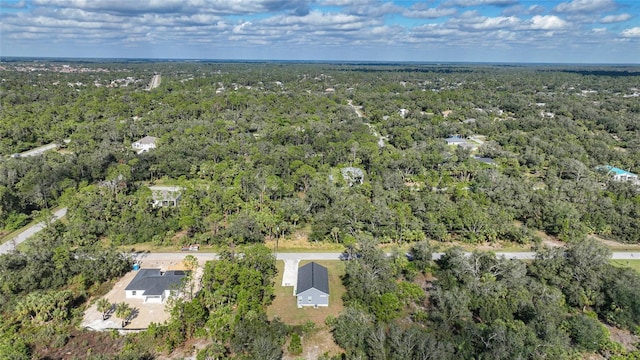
(316, 344)
(624, 337)
(615, 244)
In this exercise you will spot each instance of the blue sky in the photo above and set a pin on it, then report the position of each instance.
(571, 31)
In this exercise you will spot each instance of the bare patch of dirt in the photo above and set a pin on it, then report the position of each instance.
(624, 337)
(178, 236)
(80, 344)
(315, 344)
(300, 241)
(615, 244)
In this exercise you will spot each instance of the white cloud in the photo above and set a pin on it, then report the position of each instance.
(585, 6)
(633, 32)
(470, 3)
(547, 22)
(424, 12)
(344, 2)
(13, 5)
(615, 18)
(488, 23)
(374, 9)
(134, 7)
(264, 25)
(521, 10)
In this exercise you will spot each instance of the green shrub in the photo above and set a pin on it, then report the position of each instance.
(295, 346)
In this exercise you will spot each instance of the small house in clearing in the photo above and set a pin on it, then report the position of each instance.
(455, 140)
(145, 144)
(463, 143)
(153, 285)
(313, 285)
(165, 195)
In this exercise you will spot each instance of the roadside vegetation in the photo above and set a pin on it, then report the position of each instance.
(326, 157)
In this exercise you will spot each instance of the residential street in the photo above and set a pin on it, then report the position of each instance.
(11, 244)
(202, 256)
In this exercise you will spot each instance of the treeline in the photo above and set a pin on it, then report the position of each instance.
(484, 307)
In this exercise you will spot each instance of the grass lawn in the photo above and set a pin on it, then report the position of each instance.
(285, 307)
(634, 264)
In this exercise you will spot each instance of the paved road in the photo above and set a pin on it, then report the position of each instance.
(155, 82)
(11, 244)
(336, 256)
(39, 150)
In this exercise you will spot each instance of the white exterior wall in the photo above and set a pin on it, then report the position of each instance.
(134, 294)
(625, 177)
(157, 299)
(143, 147)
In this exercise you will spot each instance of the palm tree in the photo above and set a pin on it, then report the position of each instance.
(103, 305)
(123, 312)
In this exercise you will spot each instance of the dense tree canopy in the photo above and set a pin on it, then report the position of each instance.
(353, 154)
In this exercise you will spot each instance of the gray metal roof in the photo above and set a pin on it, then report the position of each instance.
(147, 140)
(152, 282)
(313, 275)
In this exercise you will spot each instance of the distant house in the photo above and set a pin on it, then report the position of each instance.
(485, 160)
(165, 195)
(352, 175)
(145, 144)
(455, 140)
(153, 285)
(463, 143)
(619, 174)
(313, 285)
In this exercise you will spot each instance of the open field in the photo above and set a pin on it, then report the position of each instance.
(284, 306)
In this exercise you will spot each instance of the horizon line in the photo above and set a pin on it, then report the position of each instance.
(370, 62)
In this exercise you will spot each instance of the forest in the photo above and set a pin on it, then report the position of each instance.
(414, 156)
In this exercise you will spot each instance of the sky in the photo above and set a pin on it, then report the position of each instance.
(504, 31)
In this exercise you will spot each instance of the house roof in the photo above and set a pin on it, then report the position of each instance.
(486, 160)
(314, 276)
(154, 282)
(147, 140)
(455, 140)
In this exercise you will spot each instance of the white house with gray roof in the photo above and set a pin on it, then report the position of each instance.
(312, 288)
(153, 285)
(145, 144)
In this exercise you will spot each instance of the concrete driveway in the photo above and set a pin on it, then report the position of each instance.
(290, 274)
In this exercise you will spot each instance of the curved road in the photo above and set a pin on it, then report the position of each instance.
(11, 244)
